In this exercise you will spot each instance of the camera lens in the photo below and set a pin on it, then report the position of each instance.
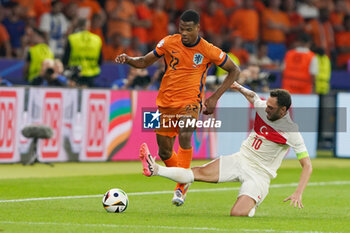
(49, 71)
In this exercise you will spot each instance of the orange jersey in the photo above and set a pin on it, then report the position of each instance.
(185, 70)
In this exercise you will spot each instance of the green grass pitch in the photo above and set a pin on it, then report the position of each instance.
(326, 200)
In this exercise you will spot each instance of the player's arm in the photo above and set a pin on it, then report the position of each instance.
(233, 74)
(137, 62)
(296, 197)
(251, 96)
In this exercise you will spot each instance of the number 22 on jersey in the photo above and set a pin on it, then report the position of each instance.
(174, 61)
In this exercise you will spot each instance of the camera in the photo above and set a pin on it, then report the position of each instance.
(260, 82)
(72, 73)
(49, 71)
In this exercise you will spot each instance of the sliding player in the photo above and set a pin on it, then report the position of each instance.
(256, 163)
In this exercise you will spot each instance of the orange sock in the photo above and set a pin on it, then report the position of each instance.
(184, 158)
(172, 161)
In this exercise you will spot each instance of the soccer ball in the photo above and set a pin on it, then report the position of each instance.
(115, 201)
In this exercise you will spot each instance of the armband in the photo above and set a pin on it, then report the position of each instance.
(302, 155)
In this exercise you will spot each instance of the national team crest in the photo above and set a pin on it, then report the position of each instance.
(198, 58)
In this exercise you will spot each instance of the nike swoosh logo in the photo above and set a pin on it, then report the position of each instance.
(174, 51)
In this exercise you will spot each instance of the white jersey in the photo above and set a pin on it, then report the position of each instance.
(269, 141)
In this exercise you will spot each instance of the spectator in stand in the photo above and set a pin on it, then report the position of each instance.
(245, 21)
(297, 23)
(36, 55)
(301, 67)
(238, 50)
(343, 44)
(121, 15)
(170, 8)
(329, 4)
(160, 21)
(113, 48)
(177, 5)
(84, 49)
(229, 6)
(261, 59)
(31, 20)
(71, 12)
(5, 45)
(88, 8)
(96, 27)
(213, 22)
(275, 26)
(259, 6)
(15, 27)
(322, 32)
(142, 24)
(338, 15)
(27, 7)
(134, 48)
(194, 5)
(49, 75)
(41, 7)
(308, 9)
(347, 5)
(55, 26)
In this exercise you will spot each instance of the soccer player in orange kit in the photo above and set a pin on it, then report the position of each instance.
(187, 58)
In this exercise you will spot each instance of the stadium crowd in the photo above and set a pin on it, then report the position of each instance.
(255, 33)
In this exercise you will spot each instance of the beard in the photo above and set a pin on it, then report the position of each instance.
(273, 117)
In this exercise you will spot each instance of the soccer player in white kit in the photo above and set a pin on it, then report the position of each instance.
(256, 163)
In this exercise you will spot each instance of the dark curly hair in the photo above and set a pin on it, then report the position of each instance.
(283, 97)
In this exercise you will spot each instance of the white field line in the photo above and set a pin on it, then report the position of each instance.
(157, 227)
(168, 192)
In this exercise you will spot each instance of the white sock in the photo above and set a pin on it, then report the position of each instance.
(177, 174)
(252, 212)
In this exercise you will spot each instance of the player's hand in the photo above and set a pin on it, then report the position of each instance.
(209, 105)
(235, 86)
(122, 58)
(295, 199)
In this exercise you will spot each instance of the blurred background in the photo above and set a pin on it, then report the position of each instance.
(96, 108)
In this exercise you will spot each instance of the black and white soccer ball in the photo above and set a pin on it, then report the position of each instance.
(115, 201)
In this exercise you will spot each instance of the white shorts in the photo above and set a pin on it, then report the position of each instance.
(236, 168)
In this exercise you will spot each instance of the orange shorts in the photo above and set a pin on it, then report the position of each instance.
(169, 120)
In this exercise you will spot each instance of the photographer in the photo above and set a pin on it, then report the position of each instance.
(37, 53)
(50, 74)
(137, 79)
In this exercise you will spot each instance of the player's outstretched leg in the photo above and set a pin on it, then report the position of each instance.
(150, 167)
